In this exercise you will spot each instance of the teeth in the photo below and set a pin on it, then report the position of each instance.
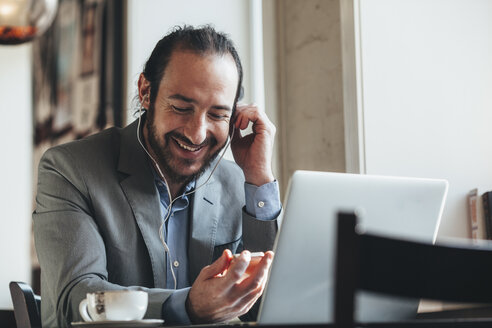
(186, 147)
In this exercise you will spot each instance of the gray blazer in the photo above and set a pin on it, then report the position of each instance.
(97, 218)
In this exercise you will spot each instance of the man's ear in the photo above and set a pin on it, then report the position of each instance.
(144, 91)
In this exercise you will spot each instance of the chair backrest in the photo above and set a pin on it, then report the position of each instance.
(406, 268)
(27, 305)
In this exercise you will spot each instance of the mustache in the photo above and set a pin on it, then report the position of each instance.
(188, 142)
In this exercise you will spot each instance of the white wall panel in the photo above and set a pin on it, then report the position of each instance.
(426, 95)
(15, 168)
(149, 20)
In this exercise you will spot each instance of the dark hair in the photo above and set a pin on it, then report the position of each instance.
(202, 40)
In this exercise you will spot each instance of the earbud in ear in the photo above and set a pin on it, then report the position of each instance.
(145, 98)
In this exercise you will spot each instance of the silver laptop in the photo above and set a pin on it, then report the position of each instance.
(300, 288)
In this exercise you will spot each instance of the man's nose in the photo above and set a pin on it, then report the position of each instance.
(196, 129)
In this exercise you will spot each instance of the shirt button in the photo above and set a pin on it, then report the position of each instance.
(176, 264)
(261, 204)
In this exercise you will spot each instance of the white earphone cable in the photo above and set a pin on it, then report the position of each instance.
(171, 200)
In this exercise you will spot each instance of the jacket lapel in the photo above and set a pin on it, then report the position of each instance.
(143, 198)
(205, 217)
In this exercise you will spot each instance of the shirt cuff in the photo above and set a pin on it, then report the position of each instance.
(263, 202)
(174, 309)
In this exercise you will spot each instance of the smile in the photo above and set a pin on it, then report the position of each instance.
(188, 148)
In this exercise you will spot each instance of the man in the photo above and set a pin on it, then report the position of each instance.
(152, 206)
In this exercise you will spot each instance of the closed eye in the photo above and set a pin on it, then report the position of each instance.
(218, 116)
(181, 110)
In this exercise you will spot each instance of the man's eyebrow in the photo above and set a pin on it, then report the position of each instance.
(178, 96)
(223, 107)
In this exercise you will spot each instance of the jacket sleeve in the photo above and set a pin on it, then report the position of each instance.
(69, 244)
(261, 216)
(258, 236)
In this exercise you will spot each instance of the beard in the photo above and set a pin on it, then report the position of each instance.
(168, 162)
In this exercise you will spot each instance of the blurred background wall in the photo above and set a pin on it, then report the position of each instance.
(375, 86)
(15, 167)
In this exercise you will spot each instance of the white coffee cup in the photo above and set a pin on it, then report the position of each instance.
(115, 305)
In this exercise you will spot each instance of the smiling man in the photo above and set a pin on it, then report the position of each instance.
(188, 123)
(153, 206)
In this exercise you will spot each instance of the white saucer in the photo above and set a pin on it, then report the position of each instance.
(145, 323)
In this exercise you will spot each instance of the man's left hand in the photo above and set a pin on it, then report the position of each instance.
(253, 152)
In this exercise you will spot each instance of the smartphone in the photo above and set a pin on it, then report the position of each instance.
(255, 259)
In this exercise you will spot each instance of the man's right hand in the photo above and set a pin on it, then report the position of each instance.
(221, 291)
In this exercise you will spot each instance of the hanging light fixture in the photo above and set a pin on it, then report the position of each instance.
(23, 20)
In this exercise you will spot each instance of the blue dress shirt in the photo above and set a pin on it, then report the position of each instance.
(261, 202)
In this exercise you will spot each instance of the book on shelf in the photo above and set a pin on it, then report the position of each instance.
(487, 213)
(476, 215)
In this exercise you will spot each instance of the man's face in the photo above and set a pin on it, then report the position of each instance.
(188, 123)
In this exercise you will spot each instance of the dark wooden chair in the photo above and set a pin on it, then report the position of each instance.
(27, 305)
(408, 269)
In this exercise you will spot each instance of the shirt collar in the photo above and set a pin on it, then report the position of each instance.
(160, 183)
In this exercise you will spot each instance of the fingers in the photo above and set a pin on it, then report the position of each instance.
(224, 290)
(244, 114)
(218, 267)
(254, 282)
(236, 133)
(252, 287)
(243, 305)
(253, 152)
(252, 113)
(258, 276)
(238, 267)
(248, 303)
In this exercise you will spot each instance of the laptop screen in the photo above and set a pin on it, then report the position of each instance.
(300, 288)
